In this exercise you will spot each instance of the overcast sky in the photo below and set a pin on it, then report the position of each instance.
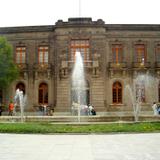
(47, 12)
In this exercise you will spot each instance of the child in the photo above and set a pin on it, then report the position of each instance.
(11, 107)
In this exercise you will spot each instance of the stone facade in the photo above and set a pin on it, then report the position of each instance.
(101, 71)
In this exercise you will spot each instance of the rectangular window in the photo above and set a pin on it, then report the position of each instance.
(43, 54)
(140, 53)
(82, 46)
(157, 52)
(20, 55)
(117, 53)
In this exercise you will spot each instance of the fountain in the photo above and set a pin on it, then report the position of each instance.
(20, 100)
(78, 82)
(135, 101)
(144, 80)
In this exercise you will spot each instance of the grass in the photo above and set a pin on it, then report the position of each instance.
(45, 128)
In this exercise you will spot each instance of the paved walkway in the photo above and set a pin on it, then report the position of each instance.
(80, 147)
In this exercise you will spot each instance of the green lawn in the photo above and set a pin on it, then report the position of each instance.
(81, 128)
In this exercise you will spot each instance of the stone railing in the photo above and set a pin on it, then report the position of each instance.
(43, 69)
(42, 66)
(117, 65)
(141, 65)
(67, 66)
(157, 64)
(87, 64)
(22, 66)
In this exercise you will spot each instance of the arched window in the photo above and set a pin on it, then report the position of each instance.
(117, 92)
(140, 92)
(21, 87)
(43, 94)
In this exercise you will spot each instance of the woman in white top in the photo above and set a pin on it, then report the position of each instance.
(155, 108)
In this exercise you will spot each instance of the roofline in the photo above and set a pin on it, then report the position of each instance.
(109, 27)
(132, 27)
(26, 29)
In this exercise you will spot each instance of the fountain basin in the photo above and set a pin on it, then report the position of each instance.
(84, 119)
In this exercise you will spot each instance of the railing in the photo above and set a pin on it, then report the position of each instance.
(87, 64)
(42, 66)
(157, 64)
(141, 64)
(22, 66)
(67, 66)
(117, 64)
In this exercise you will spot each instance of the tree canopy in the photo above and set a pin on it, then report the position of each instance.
(8, 69)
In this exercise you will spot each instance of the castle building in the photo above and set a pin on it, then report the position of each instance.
(121, 63)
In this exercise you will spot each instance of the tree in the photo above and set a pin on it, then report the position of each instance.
(8, 69)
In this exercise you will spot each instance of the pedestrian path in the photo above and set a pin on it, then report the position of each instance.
(80, 147)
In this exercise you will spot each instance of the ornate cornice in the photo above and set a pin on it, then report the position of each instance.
(81, 22)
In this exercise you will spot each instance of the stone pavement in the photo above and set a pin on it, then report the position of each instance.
(80, 147)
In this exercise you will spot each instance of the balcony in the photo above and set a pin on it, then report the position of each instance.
(90, 66)
(22, 66)
(87, 64)
(157, 64)
(119, 65)
(42, 69)
(42, 66)
(141, 65)
(117, 69)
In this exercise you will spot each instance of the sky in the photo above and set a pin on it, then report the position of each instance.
(47, 12)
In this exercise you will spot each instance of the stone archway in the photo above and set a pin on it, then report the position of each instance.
(21, 87)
